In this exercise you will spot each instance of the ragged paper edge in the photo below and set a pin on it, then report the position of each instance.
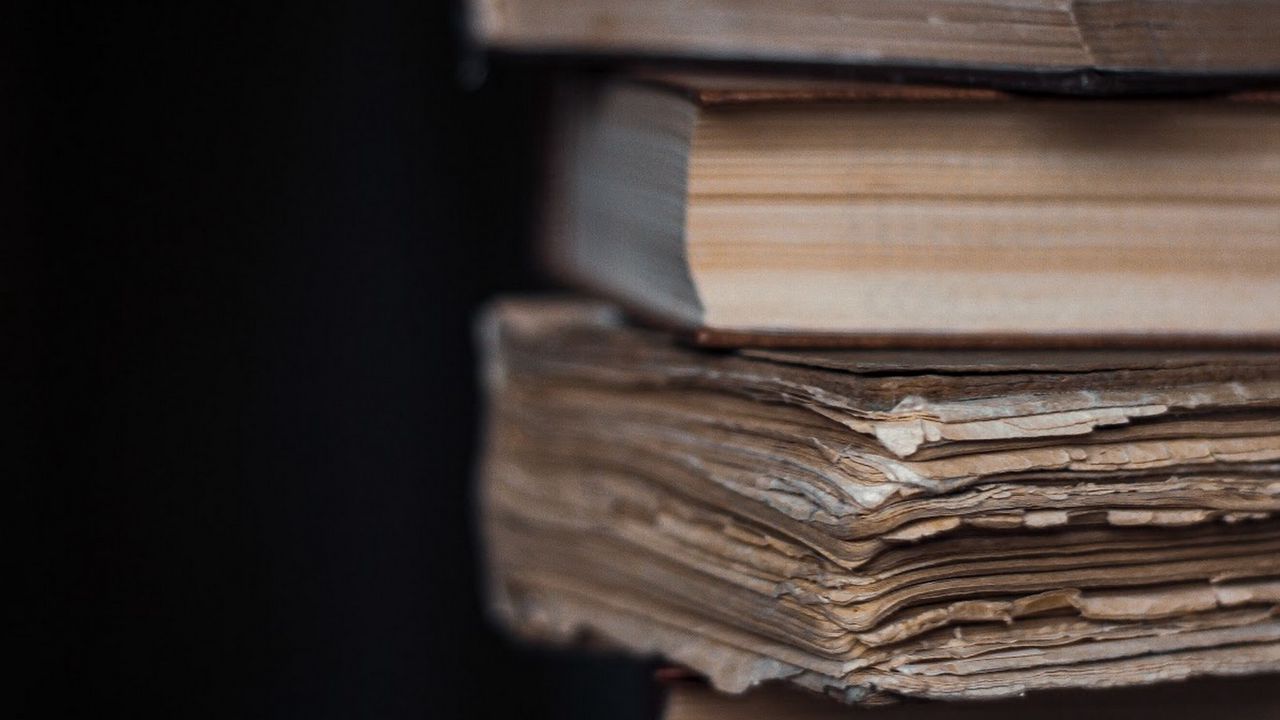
(915, 421)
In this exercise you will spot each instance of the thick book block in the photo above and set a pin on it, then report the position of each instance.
(880, 525)
(756, 212)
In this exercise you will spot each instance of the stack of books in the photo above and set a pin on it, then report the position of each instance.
(901, 390)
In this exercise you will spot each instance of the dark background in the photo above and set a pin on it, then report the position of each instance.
(244, 245)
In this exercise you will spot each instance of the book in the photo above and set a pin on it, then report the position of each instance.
(882, 525)
(1134, 36)
(756, 211)
(1244, 698)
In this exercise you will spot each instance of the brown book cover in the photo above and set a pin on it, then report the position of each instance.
(1083, 46)
(1244, 698)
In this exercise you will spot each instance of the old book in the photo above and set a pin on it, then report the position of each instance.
(880, 525)
(758, 211)
(1243, 698)
(1146, 36)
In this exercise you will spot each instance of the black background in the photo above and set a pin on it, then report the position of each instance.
(244, 245)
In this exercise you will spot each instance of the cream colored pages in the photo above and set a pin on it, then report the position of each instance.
(855, 214)
(987, 218)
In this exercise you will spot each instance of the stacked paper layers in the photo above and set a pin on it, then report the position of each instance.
(880, 524)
